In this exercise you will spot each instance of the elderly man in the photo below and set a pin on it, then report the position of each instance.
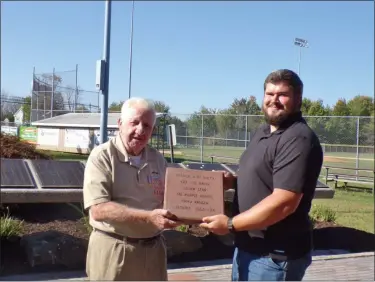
(124, 192)
(276, 182)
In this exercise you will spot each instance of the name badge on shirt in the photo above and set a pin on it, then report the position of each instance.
(157, 184)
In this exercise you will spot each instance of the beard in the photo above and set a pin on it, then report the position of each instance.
(277, 116)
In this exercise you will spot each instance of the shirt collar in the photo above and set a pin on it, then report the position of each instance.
(123, 155)
(295, 117)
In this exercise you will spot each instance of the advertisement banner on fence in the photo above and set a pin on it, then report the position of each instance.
(111, 133)
(48, 136)
(77, 138)
(29, 134)
(11, 130)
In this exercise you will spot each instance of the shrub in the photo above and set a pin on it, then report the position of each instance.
(11, 147)
(10, 227)
(183, 228)
(322, 213)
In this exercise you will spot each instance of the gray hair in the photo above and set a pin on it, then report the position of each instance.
(138, 103)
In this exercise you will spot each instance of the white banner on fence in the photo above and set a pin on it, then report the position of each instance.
(171, 130)
(77, 138)
(111, 133)
(48, 136)
(11, 130)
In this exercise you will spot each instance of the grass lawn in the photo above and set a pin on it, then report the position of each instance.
(353, 209)
(62, 156)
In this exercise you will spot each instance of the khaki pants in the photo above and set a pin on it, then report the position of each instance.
(112, 259)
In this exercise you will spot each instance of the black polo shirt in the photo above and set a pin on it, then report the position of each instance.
(290, 158)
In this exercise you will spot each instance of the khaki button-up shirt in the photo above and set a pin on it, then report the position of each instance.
(111, 175)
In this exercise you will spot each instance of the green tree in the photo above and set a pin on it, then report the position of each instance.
(341, 108)
(225, 122)
(161, 107)
(305, 107)
(317, 119)
(26, 107)
(208, 118)
(243, 124)
(115, 107)
(340, 128)
(361, 105)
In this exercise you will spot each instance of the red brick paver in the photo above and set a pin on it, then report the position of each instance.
(334, 268)
(182, 277)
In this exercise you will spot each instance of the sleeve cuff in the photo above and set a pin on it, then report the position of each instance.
(95, 202)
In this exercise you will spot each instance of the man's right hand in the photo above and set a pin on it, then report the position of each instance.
(163, 219)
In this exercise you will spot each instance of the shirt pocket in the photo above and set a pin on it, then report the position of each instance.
(156, 181)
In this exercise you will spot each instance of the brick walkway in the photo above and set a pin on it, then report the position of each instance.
(335, 267)
(341, 267)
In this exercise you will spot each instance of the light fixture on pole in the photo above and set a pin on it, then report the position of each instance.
(302, 43)
(131, 50)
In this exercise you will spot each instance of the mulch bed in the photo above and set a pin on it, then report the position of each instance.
(63, 218)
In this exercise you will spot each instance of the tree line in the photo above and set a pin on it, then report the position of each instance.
(334, 125)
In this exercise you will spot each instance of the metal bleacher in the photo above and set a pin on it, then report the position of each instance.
(322, 191)
(52, 181)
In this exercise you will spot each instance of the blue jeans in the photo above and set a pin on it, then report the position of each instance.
(251, 267)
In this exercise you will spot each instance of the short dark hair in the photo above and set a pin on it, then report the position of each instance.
(287, 76)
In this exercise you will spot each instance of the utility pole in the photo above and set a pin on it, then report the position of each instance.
(104, 73)
(131, 50)
(302, 43)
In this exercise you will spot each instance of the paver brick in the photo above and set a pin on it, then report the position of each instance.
(360, 268)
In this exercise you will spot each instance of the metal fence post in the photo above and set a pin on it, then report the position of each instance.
(202, 133)
(357, 153)
(31, 102)
(76, 92)
(246, 132)
(53, 91)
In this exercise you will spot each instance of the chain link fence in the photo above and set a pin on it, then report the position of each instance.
(346, 141)
(58, 93)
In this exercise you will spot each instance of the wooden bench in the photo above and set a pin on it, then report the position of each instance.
(222, 157)
(348, 178)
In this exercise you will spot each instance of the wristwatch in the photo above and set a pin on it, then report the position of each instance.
(230, 225)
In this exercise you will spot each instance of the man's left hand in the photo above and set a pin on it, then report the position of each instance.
(217, 224)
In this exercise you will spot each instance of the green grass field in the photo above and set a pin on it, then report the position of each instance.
(353, 209)
(366, 161)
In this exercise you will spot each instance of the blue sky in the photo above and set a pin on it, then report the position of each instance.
(189, 54)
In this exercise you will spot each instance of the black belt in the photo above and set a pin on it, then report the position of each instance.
(274, 255)
(129, 239)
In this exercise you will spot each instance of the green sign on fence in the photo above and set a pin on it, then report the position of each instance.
(29, 134)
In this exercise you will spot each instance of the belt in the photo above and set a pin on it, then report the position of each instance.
(274, 255)
(129, 239)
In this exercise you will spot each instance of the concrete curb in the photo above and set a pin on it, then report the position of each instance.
(172, 268)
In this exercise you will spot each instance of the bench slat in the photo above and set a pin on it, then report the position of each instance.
(350, 175)
(348, 168)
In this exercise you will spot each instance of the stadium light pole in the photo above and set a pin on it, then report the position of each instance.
(106, 56)
(131, 50)
(302, 43)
